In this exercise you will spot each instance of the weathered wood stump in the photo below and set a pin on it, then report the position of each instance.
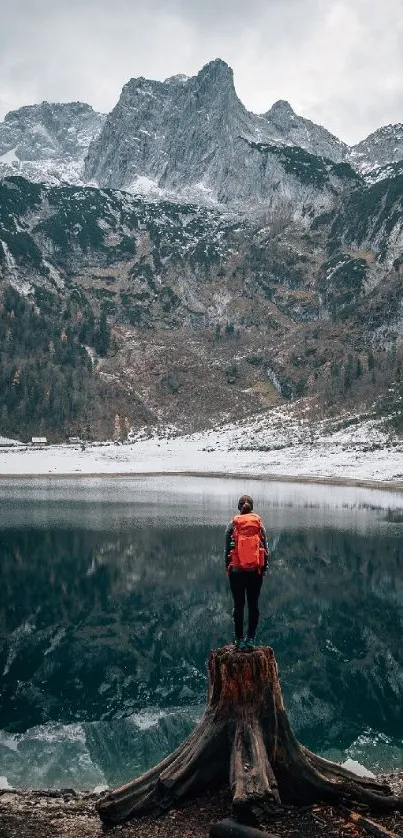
(245, 737)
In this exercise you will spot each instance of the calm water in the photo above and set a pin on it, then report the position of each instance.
(113, 592)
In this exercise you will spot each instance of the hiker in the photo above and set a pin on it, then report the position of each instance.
(246, 555)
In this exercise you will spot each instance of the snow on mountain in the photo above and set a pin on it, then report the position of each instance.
(176, 133)
(194, 139)
(390, 171)
(285, 126)
(190, 139)
(48, 142)
(382, 147)
(249, 237)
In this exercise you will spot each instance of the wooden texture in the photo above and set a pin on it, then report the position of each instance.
(244, 738)
(229, 828)
(369, 825)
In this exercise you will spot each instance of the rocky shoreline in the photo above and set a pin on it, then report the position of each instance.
(71, 814)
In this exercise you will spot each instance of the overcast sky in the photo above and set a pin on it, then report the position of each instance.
(338, 62)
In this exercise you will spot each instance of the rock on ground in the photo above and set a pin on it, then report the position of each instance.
(71, 814)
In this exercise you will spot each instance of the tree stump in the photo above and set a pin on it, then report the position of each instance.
(244, 737)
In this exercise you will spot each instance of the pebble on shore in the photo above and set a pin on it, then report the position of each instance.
(68, 814)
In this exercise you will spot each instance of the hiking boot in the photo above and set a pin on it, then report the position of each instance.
(239, 643)
(249, 643)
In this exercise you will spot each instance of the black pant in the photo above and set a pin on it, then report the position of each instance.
(249, 582)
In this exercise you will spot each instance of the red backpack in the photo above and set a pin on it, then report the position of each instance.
(248, 551)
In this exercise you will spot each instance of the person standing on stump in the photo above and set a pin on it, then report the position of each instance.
(246, 556)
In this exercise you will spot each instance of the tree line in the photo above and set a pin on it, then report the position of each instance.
(46, 371)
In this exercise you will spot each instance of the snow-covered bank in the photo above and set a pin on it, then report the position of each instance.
(6, 442)
(272, 445)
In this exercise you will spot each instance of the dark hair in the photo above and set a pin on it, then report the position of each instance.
(245, 504)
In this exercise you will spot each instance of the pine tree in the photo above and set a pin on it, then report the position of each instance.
(370, 360)
(348, 373)
(104, 334)
(117, 429)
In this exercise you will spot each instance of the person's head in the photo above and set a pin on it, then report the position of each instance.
(245, 504)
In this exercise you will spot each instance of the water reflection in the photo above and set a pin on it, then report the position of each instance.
(113, 593)
(94, 503)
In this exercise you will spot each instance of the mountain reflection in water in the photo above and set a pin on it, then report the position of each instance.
(114, 592)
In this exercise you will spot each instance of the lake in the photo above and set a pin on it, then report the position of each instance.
(113, 592)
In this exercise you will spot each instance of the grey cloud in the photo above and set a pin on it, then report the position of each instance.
(336, 62)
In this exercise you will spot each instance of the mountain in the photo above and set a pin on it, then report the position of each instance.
(383, 147)
(176, 314)
(48, 141)
(285, 126)
(186, 138)
(193, 138)
(251, 269)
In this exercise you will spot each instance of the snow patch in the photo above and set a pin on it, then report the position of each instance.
(142, 185)
(179, 77)
(4, 440)
(54, 274)
(202, 187)
(4, 784)
(14, 279)
(9, 156)
(147, 719)
(280, 443)
(357, 768)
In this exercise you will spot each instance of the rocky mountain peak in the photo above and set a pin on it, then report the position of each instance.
(280, 109)
(215, 82)
(169, 135)
(284, 125)
(59, 112)
(48, 140)
(60, 128)
(214, 79)
(217, 71)
(188, 137)
(382, 147)
(193, 139)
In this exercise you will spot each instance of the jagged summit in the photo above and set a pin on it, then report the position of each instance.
(281, 108)
(48, 141)
(382, 147)
(56, 109)
(187, 137)
(284, 125)
(218, 69)
(213, 76)
(198, 142)
(58, 126)
(173, 136)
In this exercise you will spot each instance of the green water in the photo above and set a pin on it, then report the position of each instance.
(113, 592)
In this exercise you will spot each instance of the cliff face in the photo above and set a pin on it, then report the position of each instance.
(380, 148)
(185, 137)
(48, 142)
(284, 125)
(193, 138)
